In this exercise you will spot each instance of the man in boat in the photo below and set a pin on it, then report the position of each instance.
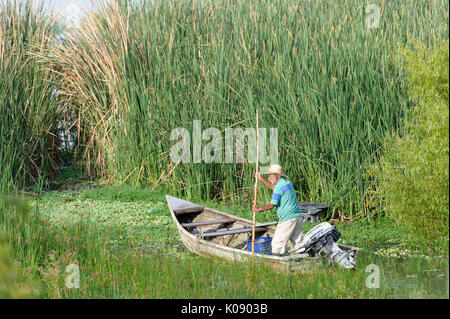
(284, 198)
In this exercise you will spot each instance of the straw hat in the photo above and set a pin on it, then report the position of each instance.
(275, 169)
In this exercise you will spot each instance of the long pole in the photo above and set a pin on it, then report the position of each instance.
(256, 187)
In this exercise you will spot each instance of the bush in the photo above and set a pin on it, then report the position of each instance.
(412, 176)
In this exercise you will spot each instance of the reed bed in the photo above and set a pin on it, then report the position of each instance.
(28, 110)
(135, 70)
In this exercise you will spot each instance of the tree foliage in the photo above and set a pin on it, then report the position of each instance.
(413, 174)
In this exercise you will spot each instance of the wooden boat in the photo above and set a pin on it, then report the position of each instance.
(209, 232)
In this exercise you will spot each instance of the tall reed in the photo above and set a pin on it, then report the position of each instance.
(28, 112)
(135, 70)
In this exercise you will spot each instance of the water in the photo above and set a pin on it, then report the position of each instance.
(409, 277)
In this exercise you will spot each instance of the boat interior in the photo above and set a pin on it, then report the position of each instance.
(220, 229)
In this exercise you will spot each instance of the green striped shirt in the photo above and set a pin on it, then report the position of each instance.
(285, 199)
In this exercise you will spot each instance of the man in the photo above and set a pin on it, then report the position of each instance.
(290, 220)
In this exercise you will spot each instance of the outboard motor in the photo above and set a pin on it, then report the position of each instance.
(322, 240)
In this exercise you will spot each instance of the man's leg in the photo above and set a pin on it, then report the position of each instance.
(281, 236)
(297, 236)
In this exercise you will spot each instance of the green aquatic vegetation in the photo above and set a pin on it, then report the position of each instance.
(401, 251)
(124, 222)
(397, 252)
(124, 193)
(144, 257)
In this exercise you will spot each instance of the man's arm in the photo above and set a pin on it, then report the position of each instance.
(264, 208)
(264, 181)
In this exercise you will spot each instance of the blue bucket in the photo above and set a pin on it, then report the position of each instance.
(263, 245)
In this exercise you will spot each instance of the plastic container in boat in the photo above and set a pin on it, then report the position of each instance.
(263, 245)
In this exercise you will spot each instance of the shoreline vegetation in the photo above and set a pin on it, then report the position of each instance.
(362, 117)
(126, 246)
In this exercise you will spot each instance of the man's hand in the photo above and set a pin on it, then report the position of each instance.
(255, 208)
(264, 181)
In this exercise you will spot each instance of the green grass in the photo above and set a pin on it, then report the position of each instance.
(13, 282)
(127, 247)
